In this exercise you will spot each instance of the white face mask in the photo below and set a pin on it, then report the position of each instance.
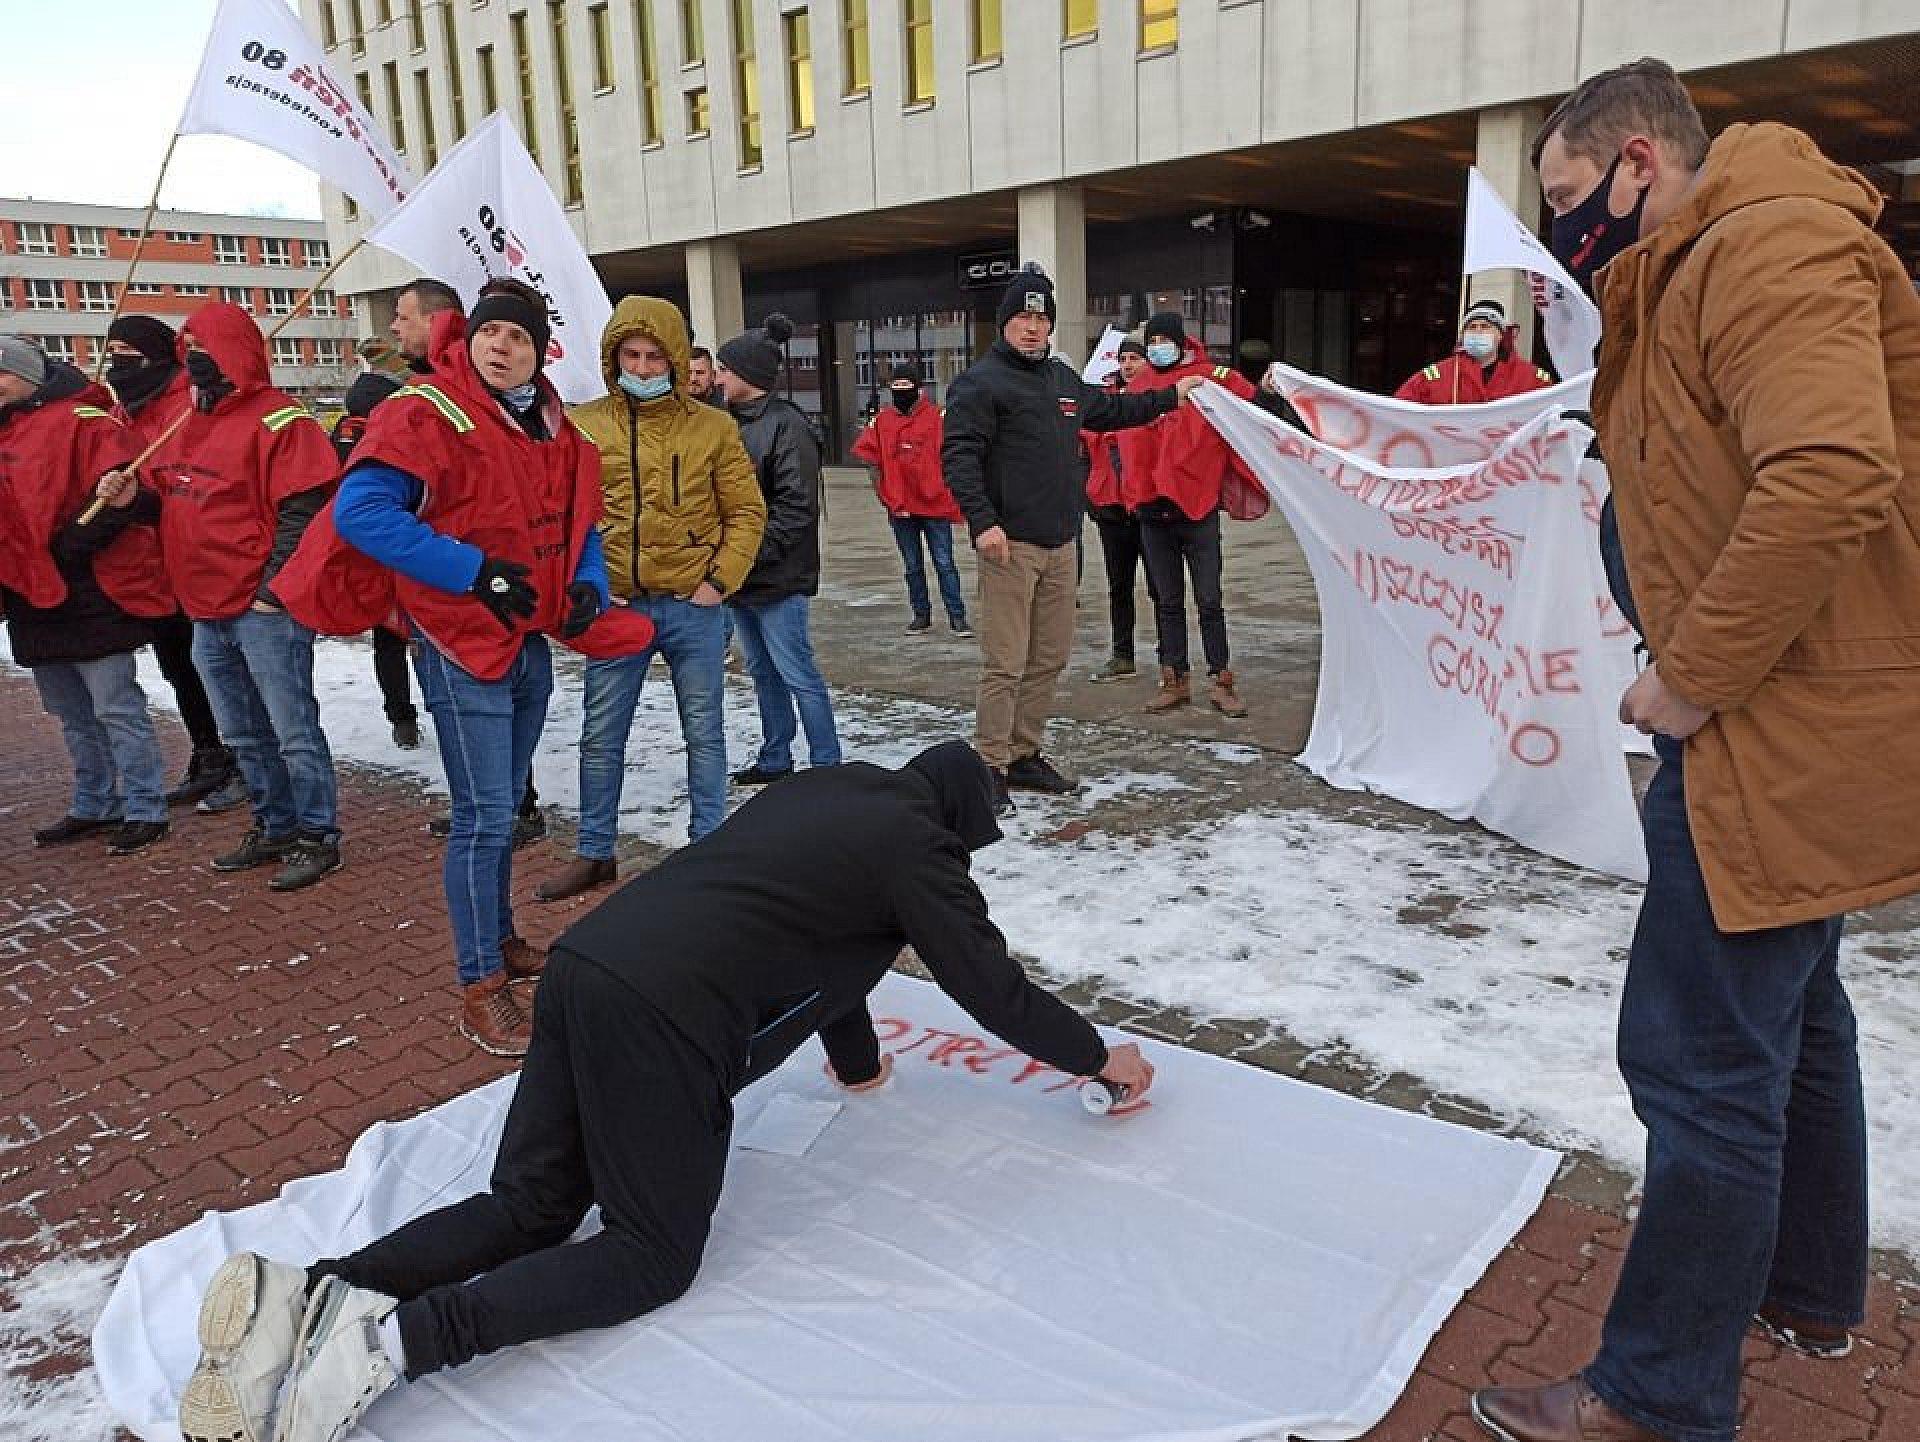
(1162, 354)
(1479, 345)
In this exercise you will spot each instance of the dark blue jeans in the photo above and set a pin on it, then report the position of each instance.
(908, 534)
(487, 732)
(1739, 1052)
(779, 655)
(258, 669)
(103, 715)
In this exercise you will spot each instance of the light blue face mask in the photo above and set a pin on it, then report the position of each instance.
(520, 397)
(1162, 354)
(645, 388)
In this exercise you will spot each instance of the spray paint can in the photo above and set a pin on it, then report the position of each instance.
(1101, 1096)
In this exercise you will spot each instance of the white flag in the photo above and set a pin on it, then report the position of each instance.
(487, 211)
(1462, 664)
(1496, 240)
(265, 80)
(1106, 357)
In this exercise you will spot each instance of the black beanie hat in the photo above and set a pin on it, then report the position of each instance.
(153, 338)
(1130, 346)
(1029, 290)
(756, 356)
(515, 310)
(905, 371)
(1167, 324)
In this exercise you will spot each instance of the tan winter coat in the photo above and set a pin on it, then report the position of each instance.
(1758, 401)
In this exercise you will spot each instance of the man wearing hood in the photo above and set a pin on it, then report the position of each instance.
(233, 490)
(80, 599)
(682, 526)
(901, 447)
(1758, 402)
(683, 988)
(150, 390)
(1483, 367)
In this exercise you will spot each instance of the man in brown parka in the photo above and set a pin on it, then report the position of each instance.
(1758, 403)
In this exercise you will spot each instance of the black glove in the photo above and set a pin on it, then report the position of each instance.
(583, 609)
(502, 588)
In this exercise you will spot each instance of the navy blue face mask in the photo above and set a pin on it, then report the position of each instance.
(1590, 235)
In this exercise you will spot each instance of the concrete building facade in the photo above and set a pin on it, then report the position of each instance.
(1288, 173)
(62, 264)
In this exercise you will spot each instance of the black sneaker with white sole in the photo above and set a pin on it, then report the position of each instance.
(256, 848)
(309, 859)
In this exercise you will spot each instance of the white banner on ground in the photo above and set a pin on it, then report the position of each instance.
(264, 79)
(1462, 665)
(487, 211)
(1496, 240)
(1106, 357)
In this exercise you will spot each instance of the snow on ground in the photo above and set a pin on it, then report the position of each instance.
(45, 1318)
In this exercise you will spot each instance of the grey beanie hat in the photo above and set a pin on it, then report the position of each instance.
(21, 357)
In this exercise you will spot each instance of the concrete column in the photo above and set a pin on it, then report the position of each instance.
(716, 302)
(1053, 232)
(1501, 153)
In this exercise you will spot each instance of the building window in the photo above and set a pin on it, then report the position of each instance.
(329, 33)
(650, 118)
(323, 303)
(184, 237)
(96, 295)
(190, 292)
(601, 28)
(523, 70)
(319, 253)
(1079, 18)
(384, 10)
(396, 118)
(693, 35)
(429, 137)
(239, 295)
(986, 30)
(569, 117)
(286, 352)
(799, 70)
(359, 39)
(45, 295)
(1159, 24)
(456, 89)
(35, 238)
(230, 250)
(89, 241)
(746, 83)
(145, 287)
(489, 87)
(128, 233)
(416, 27)
(919, 15)
(697, 117)
(58, 347)
(275, 250)
(279, 301)
(857, 53)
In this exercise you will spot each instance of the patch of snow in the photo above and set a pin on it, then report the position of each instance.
(46, 1319)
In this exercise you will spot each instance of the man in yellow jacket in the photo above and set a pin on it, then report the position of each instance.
(681, 530)
(1758, 403)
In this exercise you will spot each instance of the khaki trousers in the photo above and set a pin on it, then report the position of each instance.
(1026, 634)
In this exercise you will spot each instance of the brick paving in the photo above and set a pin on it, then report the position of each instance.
(177, 1040)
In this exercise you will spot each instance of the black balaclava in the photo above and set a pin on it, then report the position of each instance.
(137, 379)
(210, 384)
(963, 786)
(904, 386)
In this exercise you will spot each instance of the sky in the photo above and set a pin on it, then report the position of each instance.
(93, 89)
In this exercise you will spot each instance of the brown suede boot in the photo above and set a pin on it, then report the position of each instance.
(492, 1019)
(1176, 690)
(524, 961)
(581, 874)
(1563, 1412)
(1224, 698)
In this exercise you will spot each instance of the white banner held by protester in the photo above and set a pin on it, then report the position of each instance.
(1454, 672)
(264, 79)
(1106, 357)
(487, 211)
(1496, 240)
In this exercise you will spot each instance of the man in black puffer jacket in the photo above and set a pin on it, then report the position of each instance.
(769, 610)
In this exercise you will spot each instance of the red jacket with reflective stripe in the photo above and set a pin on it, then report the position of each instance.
(1460, 380)
(158, 413)
(222, 476)
(1181, 458)
(485, 482)
(906, 451)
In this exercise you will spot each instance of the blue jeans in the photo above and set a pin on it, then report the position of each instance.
(487, 732)
(908, 533)
(1739, 1052)
(689, 637)
(258, 670)
(117, 770)
(779, 656)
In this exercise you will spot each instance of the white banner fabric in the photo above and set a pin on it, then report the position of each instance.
(1462, 665)
(1496, 240)
(487, 211)
(264, 79)
(1106, 357)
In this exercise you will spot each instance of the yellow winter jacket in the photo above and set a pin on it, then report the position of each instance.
(683, 503)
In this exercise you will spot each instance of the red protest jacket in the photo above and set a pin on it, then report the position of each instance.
(1103, 465)
(1181, 458)
(51, 455)
(906, 450)
(158, 413)
(222, 476)
(485, 482)
(1460, 380)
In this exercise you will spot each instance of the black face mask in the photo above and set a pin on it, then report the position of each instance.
(904, 401)
(136, 380)
(1590, 235)
(209, 383)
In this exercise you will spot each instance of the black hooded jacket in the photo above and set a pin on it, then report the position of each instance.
(778, 924)
(369, 388)
(787, 461)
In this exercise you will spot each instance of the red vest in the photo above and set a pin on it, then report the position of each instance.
(1460, 380)
(1103, 466)
(158, 413)
(906, 449)
(1181, 458)
(485, 482)
(50, 457)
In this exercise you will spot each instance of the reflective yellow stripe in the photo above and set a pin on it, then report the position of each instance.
(92, 413)
(1432, 373)
(279, 420)
(437, 398)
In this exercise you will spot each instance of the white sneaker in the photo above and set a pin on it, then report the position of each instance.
(339, 1365)
(249, 1319)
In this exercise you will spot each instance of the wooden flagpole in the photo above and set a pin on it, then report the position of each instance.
(325, 276)
(100, 502)
(139, 247)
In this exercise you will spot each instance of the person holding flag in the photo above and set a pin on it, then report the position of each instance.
(901, 446)
(1484, 367)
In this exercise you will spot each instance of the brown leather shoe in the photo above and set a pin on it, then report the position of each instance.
(524, 961)
(1223, 698)
(1176, 690)
(1560, 1412)
(581, 874)
(1820, 1340)
(492, 1019)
